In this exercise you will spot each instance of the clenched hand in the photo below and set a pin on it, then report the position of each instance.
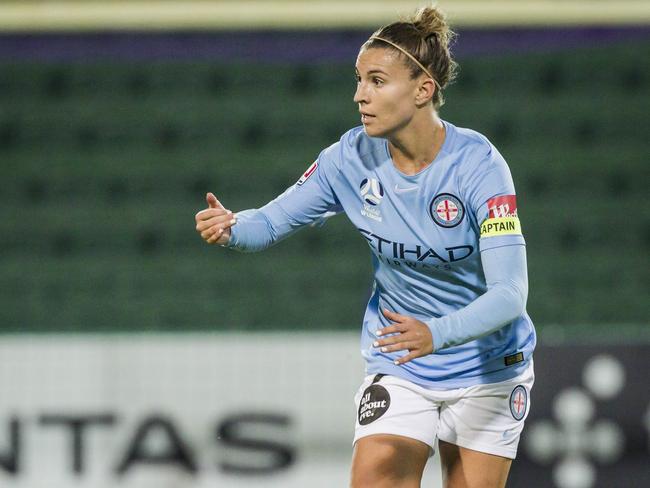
(214, 222)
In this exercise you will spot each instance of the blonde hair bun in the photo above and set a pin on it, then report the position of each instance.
(433, 22)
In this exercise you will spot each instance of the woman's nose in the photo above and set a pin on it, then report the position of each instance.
(360, 94)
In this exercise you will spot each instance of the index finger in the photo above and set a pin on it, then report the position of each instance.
(391, 329)
(208, 213)
(393, 316)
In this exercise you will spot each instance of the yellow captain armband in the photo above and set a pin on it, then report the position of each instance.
(501, 226)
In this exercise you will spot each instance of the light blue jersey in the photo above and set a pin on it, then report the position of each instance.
(426, 233)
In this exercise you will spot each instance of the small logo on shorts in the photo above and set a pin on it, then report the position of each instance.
(513, 359)
(374, 403)
(518, 402)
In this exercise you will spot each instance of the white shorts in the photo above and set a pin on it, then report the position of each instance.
(487, 418)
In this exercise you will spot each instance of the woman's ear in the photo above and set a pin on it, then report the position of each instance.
(426, 90)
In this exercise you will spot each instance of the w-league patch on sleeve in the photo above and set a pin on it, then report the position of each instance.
(502, 217)
(310, 171)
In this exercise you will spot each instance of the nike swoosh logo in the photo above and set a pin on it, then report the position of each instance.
(405, 190)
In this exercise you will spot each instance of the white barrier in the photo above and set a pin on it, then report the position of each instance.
(177, 411)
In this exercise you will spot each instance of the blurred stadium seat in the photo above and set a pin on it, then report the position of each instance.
(111, 161)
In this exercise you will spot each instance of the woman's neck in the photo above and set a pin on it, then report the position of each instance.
(417, 145)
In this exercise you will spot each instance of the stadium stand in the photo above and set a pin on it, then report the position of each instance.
(104, 165)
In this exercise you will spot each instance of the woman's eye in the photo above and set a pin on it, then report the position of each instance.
(378, 81)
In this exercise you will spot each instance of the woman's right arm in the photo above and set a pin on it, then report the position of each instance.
(302, 204)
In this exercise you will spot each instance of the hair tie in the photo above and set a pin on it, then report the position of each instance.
(410, 56)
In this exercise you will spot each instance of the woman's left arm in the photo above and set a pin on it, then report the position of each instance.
(505, 300)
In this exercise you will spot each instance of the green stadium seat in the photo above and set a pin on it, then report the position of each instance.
(168, 136)
(57, 83)
(644, 239)
(117, 189)
(9, 135)
(551, 79)
(35, 190)
(537, 185)
(62, 243)
(633, 79)
(138, 84)
(149, 241)
(618, 183)
(136, 147)
(466, 81)
(569, 238)
(254, 134)
(218, 81)
(503, 131)
(303, 80)
(88, 137)
(585, 132)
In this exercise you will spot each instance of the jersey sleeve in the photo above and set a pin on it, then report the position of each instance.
(493, 201)
(505, 300)
(310, 200)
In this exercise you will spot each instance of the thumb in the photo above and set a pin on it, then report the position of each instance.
(395, 317)
(212, 201)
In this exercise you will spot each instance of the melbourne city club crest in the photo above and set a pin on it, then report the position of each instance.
(371, 192)
(446, 210)
(518, 402)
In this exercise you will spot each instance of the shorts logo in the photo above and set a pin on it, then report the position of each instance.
(518, 402)
(374, 403)
(310, 171)
(371, 191)
(446, 210)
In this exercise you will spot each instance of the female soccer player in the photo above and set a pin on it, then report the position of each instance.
(446, 338)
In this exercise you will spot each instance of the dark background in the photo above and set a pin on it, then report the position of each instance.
(109, 142)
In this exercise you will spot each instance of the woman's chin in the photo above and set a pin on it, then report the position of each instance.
(372, 131)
